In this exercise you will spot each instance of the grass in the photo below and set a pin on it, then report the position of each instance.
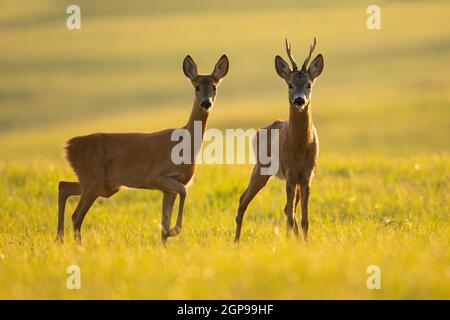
(381, 191)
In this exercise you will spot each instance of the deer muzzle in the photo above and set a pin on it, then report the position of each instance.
(206, 104)
(299, 102)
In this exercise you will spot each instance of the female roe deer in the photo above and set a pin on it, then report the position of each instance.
(103, 162)
(298, 143)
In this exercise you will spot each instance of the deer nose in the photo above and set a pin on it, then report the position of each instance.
(206, 104)
(299, 101)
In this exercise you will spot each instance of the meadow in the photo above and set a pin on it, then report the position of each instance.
(381, 108)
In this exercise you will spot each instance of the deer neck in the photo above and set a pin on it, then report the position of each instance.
(300, 128)
(196, 126)
(197, 117)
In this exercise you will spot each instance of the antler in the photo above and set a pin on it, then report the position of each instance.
(289, 53)
(311, 50)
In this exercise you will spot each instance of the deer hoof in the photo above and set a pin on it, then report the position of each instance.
(59, 239)
(174, 232)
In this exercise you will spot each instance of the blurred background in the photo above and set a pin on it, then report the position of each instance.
(382, 91)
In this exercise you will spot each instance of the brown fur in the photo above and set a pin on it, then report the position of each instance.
(104, 162)
(298, 142)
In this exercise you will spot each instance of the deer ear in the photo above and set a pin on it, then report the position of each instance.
(189, 67)
(282, 67)
(221, 68)
(316, 67)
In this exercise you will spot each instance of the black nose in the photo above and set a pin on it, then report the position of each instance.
(299, 101)
(205, 104)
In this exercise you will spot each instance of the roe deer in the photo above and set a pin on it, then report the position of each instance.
(104, 162)
(298, 143)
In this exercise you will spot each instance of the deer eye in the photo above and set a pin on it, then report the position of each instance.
(290, 86)
(214, 88)
(197, 88)
(309, 85)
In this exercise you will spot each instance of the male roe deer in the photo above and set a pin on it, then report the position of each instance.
(298, 143)
(104, 162)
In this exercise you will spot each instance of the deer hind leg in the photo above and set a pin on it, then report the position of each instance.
(65, 190)
(167, 208)
(305, 191)
(87, 198)
(257, 182)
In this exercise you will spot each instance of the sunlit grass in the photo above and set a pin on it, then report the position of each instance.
(393, 213)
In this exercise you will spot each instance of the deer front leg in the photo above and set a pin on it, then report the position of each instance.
(289, 209)
(177, 229)
(297, 200)
(305, 191)
(167, 208)
(168, 184)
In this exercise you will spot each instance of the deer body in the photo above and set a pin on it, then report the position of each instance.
(104, 162)
(298, 145)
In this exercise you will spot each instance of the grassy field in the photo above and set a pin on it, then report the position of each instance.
(381, 107)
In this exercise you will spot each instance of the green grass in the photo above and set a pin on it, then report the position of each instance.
(381, 107)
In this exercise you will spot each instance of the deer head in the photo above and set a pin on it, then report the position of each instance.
(205, 85)
(299, 82)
